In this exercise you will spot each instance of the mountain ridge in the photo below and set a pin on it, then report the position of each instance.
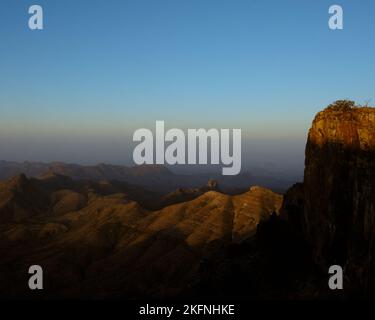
(134, 251)
(157, 177)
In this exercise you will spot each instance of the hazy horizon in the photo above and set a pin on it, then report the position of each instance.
(77, 90)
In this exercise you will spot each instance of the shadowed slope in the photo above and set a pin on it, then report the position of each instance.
(113, 247)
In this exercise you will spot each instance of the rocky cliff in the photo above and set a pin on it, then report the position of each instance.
(338, 202)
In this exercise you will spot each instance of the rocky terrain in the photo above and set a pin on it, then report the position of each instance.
(328, 219)
(104, 244)
(339, 191)
(334, 208)
(112, 239)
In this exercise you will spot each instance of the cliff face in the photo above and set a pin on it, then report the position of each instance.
(339, 191)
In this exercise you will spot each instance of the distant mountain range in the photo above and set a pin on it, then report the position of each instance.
(153, 177)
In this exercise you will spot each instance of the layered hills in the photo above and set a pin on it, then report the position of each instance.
(154, 177)
(103, 238)
(95, 243)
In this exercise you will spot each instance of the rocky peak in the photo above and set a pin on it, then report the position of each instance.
(20, 199)
(18, 183)
(338, 205)
(353, 128)
(212, 184)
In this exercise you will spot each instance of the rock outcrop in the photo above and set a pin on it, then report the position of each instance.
(20, 200)
(337, 198)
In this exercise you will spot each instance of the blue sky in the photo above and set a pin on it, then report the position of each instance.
(101, 69)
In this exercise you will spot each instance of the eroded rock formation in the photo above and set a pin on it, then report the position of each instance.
(337, 198)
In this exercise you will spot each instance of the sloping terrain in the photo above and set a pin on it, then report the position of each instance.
(19, 200)
(110, 246)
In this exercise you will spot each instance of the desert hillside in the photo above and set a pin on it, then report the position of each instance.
(99, 244)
